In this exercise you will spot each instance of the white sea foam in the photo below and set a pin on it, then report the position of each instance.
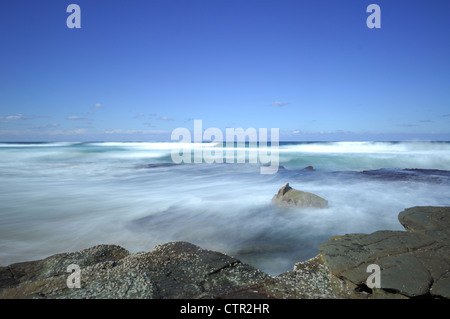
(72, 196)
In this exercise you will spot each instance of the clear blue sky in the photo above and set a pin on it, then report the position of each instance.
(138, 69)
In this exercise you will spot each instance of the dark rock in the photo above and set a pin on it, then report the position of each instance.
(157, 165)
(172, 270)
(308, 168)
(414, 263)
(289, 197)
(56, 265)
(411, 175)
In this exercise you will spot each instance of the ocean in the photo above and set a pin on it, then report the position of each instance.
(62, 197)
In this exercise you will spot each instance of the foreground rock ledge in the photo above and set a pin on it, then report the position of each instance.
(414, 263)
(171, 270)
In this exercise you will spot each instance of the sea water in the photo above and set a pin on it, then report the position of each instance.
(62, 197)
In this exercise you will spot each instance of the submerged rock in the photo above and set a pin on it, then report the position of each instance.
(409, 175)
(287, 196)
(157, 165)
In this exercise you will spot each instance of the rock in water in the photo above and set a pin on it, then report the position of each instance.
(289, 197)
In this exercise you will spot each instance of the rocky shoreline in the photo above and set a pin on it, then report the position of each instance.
(414, 263)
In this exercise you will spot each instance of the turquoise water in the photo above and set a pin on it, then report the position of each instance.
(58, 197)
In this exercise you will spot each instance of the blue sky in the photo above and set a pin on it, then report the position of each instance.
(136, 70)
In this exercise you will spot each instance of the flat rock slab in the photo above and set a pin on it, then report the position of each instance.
(414, 263)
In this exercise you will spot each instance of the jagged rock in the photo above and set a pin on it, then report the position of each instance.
(289, 197)
(413, 263)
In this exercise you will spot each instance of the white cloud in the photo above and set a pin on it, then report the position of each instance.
(15, 117)
(115, 131)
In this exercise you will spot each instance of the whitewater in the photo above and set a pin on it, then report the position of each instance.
(61, 197)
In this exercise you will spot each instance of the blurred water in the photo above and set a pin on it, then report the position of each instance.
(62, 197)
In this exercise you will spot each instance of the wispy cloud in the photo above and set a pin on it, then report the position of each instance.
(67, 132)
(165, 118)
(139, 115)
(121, 131)
(15, 117)
(407, 125)
(446, 115)
(279, 104)
(51, 125)
(19, 117)
(96, 106)
(34, 133)
(426, 121)
(11, 132)
(79, 118)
